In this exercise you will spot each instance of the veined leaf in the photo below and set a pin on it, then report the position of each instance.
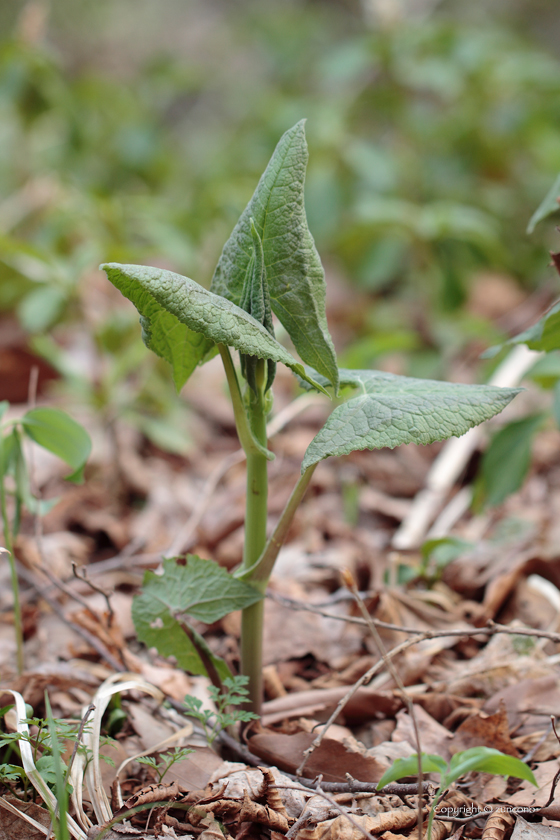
(392, 410)
(295, 276)
(60, 434)
(201, 589)
(170, 637)
(182, 320)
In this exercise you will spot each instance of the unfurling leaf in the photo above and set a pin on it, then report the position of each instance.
(256, 301)
(294, 273)
(182, 321)
(392, 410)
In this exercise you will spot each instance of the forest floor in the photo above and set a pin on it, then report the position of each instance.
(478, 626)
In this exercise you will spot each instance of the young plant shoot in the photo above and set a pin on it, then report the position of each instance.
(270, 265)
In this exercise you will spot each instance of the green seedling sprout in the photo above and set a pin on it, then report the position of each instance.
(233, 693)
(270, 267)
(165, 761)
(55, 431)
(478, 759)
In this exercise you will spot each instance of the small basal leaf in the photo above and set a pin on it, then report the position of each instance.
(488, 760)
(294, 273)
(60, 434)
(392, 410)
(201, 589)
(402, 767)
(182, 321)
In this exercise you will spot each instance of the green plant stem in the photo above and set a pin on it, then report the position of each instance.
(18, 624)
(262, 569)
(256, 512)
(247, 438)
(431, 815)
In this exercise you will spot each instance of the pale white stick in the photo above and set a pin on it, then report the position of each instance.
(454, 456)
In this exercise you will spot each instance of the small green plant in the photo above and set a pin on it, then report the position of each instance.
(270, 266)
(165, 761)
(233, 693)
(55, 431)
(507, 460)
(478, 759)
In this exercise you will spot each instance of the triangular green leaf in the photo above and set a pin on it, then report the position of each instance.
(409, 767)
(182, 320)
(295, 276)
(392, 410)
(60, 434)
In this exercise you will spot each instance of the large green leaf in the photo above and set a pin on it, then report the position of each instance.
(60, 434)
(392, 410)
(295, 276)
(201, 589)
(182, 320)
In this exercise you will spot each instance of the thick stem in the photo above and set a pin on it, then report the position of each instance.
(256, 512)
(18, 624)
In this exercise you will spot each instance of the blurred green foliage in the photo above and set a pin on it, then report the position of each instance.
(130, 134)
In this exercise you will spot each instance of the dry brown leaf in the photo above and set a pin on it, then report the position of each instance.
(539, 695)
(13, 827)
(528, 794)
(331, 759)
(327, 639)
(483, 730)
(363, 705)
(340, 828)
(262, 814)
(498, 824)
(196, 771)
(434, 738)
(533, 831)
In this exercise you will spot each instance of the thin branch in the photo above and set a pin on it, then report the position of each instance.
(261, 570)
(81, 574)
(320, 792)
(85, 634)
(184, 539)
(351, 585)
